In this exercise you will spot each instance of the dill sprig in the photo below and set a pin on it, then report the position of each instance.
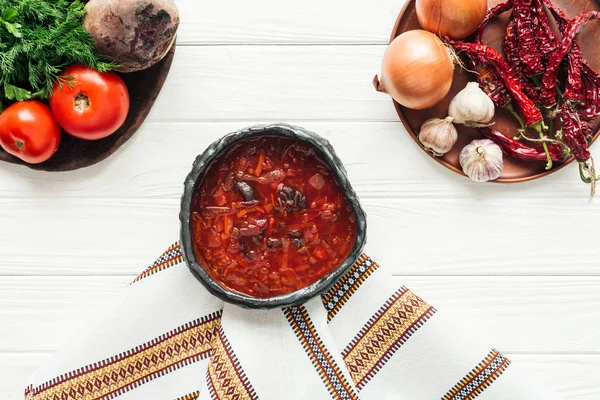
(38, 40)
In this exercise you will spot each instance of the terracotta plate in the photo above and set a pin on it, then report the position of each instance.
(514, 170)
(73, 153)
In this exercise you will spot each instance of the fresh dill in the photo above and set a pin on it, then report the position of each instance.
(38, 40)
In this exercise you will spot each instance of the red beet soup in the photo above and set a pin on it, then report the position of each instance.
(269, 218)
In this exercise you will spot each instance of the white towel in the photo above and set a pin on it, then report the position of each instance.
(166, 338)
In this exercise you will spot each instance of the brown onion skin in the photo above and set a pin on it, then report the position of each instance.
(417, 70)
(455, 18)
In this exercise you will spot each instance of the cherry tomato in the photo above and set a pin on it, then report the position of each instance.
(29, 131)
(93, 105)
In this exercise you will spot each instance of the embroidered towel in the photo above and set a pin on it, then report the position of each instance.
(167, 338)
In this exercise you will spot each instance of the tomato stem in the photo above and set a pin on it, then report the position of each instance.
(19, 144)
(81, 102)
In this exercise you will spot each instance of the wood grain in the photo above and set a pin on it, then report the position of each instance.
(69, 242)
(79, 236)
(290, 83)
(381, 159)
(274, 22)
(518, 314)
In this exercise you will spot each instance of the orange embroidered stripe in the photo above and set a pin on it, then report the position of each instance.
(116, 375)
(330, 373)
(169, 258)
(335, 298)
(225, 377)
(480, 378)
(391, 326)
(191, 396)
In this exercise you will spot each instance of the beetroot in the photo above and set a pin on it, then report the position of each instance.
(135, 34)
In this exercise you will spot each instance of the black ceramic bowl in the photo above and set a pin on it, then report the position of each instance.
(195, 177)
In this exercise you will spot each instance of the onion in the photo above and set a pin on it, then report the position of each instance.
(416, 71)
(455, 18)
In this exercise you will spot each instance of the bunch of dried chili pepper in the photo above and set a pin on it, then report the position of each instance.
(535, 59)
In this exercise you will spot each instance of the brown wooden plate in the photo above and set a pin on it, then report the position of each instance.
(514, 170)
(144, 87)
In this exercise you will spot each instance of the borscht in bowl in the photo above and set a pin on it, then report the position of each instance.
(269, 218)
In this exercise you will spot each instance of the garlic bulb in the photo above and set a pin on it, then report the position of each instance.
(472, 107)
(482, 160)
(438, 135)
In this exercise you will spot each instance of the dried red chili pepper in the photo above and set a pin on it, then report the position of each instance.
(563, 23)
(586, 129)
(526, 106)
(520, 150)
(528, 50)
(547, 42)
(491, 13)
(573, 134)
(557, 13)
(487, 77)
(574, 85)
(548, 88)
(511, 46)
(490, 82)
(591, 90)
(511, 50)
(589, 78)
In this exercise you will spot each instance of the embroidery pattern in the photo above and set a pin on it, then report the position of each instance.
(482, 376)
(328, 370)
(225, 377)
(169, 258)
(114, 376)
(391, 326)
(338, 295)
(191, 396)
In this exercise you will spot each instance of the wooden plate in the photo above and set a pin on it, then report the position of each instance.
(144, 87)
(514, 170)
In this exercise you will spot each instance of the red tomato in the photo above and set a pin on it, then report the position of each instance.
(29, 131)
(94, 106)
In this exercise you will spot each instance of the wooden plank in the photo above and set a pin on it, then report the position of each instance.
(40, 314)
(518, 314)
(382, 160)
(574, 376)
(80, 236)
(276, 22)
(241, 83)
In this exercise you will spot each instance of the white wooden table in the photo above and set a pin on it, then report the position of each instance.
(521, 261)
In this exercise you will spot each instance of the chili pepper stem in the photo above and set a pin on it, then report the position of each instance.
(545, 145)
(582, 167)
(591, 178)
(515, 114)
(545, 139)
(540, 127)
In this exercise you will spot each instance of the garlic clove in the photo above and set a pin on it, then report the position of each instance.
(472, 107)
(482, 160)
(438, 135)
